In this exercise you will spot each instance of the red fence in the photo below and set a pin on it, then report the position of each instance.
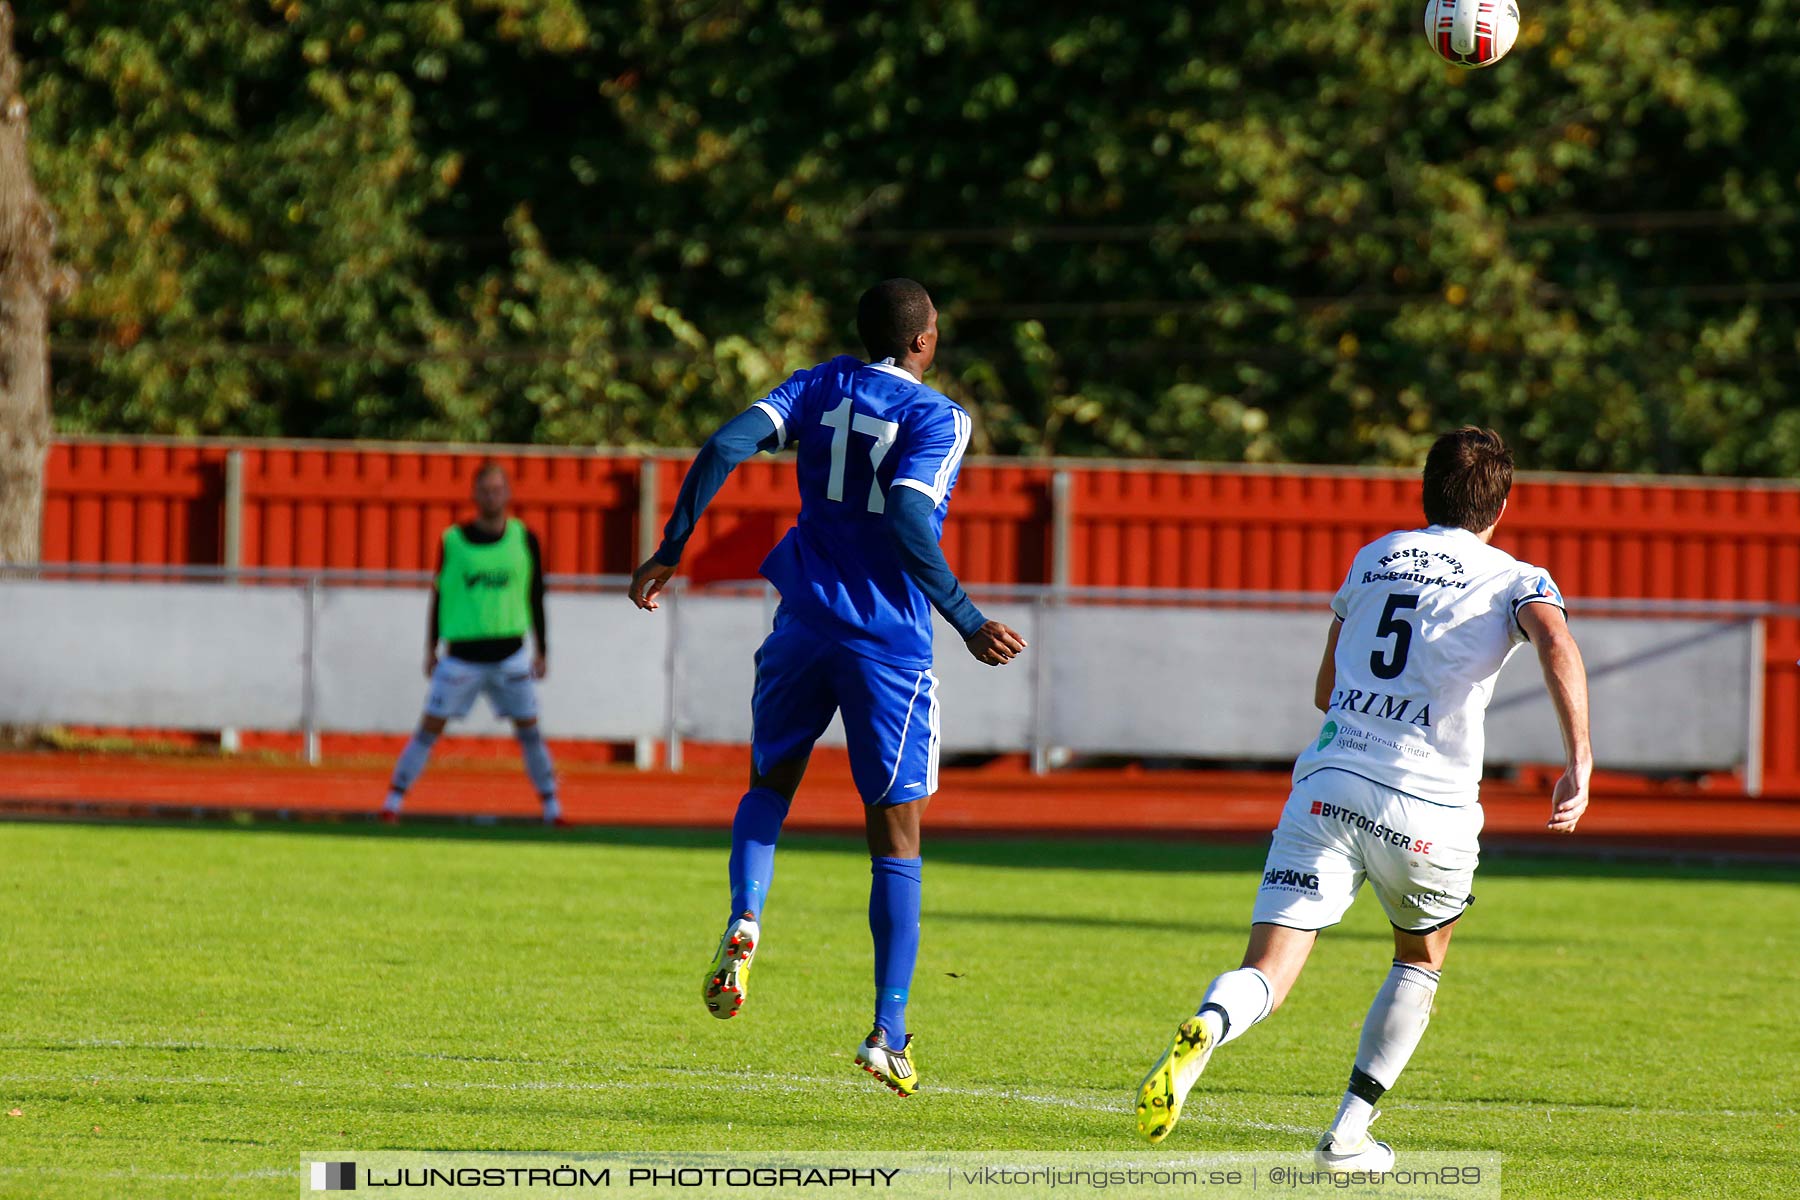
(1142, 525)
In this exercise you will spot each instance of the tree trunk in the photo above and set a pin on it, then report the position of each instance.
(27, 280)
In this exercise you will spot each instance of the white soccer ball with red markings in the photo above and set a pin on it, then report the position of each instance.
(1472, 33)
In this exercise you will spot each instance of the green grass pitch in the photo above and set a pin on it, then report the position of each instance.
(188, 1009)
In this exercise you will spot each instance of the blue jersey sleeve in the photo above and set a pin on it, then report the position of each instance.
(784, 406)
(909, 524)
(930, 453)
(735, 441)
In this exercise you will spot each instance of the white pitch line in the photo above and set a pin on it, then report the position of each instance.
(1115, 1107)
(792, 1083)
(211, 1080)
(1560, 1107)
(715, 1080)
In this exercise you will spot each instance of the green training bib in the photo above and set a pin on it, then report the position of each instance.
(485, 591)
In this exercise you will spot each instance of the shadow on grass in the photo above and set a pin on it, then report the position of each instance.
(1179, 927)
(1150, 852)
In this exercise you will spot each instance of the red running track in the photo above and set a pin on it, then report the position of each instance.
(1005, 800)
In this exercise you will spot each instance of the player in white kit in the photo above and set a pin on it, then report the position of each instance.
(1388, 791)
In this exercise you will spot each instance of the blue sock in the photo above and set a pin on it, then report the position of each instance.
(753, 834)
(894, 891)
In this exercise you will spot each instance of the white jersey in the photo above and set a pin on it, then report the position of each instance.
(1429, 616)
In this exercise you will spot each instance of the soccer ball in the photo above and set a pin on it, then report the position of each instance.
(1472, 33)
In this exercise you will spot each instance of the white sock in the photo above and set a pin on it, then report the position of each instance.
(1390, 1034)
(1235, 1001)
(1352, 1120)
(412, 762)
(393, 801)
(552, 808)
(537, 763)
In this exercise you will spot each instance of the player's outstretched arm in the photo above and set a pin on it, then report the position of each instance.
(431, 618)
(909, 513)
(540, 623)
(431, 633)
(1566, 678)
(736, 440)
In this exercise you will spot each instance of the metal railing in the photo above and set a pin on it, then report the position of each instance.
(1648, 606)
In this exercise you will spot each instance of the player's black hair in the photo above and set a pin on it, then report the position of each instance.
(1467, 476)
(488, 467)
(890, 315)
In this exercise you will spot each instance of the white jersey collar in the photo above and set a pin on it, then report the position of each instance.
(887, 364)
(1451, 531)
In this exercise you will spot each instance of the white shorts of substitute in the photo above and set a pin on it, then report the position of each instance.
(1339, 828)
(508, 685)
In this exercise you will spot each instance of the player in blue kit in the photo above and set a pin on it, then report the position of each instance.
(858, 575)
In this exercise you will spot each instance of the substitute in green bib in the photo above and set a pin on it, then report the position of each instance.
(489, 595)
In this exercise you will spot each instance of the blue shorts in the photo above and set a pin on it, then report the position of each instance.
(890, 713)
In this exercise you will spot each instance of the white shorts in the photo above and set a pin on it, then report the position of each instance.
(510, 689)
(1339, 828)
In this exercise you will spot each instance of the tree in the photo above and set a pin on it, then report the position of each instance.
(27, 283)
(1264, 230)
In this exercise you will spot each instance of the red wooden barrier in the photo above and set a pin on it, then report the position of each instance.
(129, 502)
(387, 509)
(1135, 525)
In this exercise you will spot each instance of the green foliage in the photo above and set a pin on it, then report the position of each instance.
(1262, 230)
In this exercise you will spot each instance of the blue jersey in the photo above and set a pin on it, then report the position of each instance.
(860, 430)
